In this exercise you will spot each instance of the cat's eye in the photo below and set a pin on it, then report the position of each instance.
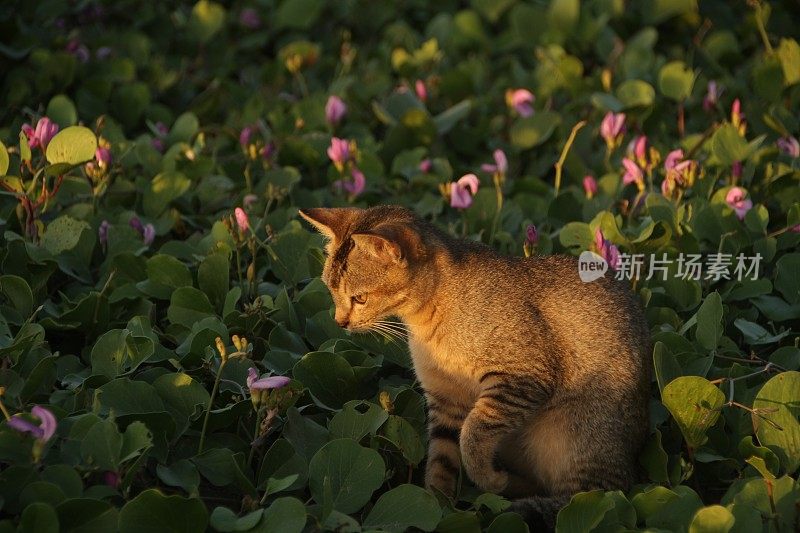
(360, 299)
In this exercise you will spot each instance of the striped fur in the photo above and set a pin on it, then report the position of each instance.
(536, 382)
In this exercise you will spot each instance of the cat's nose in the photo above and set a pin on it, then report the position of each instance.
(343, 323)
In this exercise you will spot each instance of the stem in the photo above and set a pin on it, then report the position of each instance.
(4, 410)
(498, 189)
(239, 267)
(762, 30)
(681, 120)
(255, 438)
(567, 146)
(208, 409)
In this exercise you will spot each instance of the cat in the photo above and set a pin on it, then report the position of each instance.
(536, 382)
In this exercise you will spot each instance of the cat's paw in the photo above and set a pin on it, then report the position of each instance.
(441, 481)
(491, 480)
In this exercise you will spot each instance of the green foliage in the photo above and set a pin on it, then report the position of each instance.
(121, 263)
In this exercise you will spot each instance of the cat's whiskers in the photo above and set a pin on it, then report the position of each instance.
(399, 330)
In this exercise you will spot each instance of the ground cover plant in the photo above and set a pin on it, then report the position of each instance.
(168, 356)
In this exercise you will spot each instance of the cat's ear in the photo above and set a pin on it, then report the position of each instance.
(330, 221)
(389, 242)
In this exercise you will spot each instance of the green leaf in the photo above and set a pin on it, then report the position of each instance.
(789, 53)
(154, 512)
(635, 93)
(73, 145)
(167, 271)
(62, 111)
(188, 306)
(290, 513)
(135, 439)
(63, 233)
(786, 279)
(182, 473)
(225, 520)
(184, 397)
(508, 523)
(206, 20)
(352, 471)
(778, 398)
(675, 81)
(451, 116)
(713, 519)
(4, 161)
(404, 507)
(532, 131)
(213, 278)
(695, 404)
(584, 511)
(357, 419)
(38, 518)
(728, 146)
(163, 189)
(18, 294)
(298, 14)
(102, 445)
(405, 437)
(109, 353)
(329, 378)
(709, 322)
(184, 128)
(88, 516)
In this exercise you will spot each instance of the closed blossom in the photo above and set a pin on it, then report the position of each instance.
(789, 146)
(612, 128)
(589, 186)
(521, 100)
(335, 110)
(462, 191)
(738, 201)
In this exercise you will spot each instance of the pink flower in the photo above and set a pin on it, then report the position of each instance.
(241, 219)
(589, 186)
(711, 98)
(500, 163)
(102, 232)
(112, 479)
(45, 130)
(607, 251)
(736, 200)
(339, 151)
(789, 146)
(795, 228)
(462, 191)
(245, 136)
(531, 235)
(248, 18)
(425, 166)
(42, 432)
(335, 110)
(668, 186)
(103, 156)
(355, 186)
(521, 100)
(612, 128)
(271, 382)
(421, 90)
(149, 234)
(640, 150)
(633, 174)
(672, 159)
(737, 117)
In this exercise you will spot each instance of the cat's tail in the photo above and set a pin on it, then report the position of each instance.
(540, 512)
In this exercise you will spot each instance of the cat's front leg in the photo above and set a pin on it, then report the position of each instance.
(506, 402)
(445, 418)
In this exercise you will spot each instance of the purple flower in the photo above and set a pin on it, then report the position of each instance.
(421, 90)
(795, 228)
(531, 235)
(633, 174)
(248, 18)
(241, 219)
(271, 382)
(149, 234)
(789, 146)
(102, 232)
(736, 170)
(355, 186)
(711, 98)
(607, 251)
(521, 100)
(335, 110)
(45, 130)
(736, 200)
(425, 166)
(267, 151)
(104, 52)
(500, 163)
(612, 128)
(136, 224)
(112, 479)
(161, 129)
(158, 144)
(78, 50)
(42, 432)
(462, 191)
(589, 186)
(245, 136)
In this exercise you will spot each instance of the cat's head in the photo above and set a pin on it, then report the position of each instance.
(372, 256)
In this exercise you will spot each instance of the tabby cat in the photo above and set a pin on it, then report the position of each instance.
(536, 382)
